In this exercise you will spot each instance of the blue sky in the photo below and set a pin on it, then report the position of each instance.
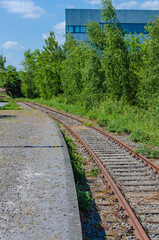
(24, 24)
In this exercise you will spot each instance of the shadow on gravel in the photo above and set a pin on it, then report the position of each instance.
(91, 221)
(7, 116)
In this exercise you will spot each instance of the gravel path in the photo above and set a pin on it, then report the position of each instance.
(38, 198)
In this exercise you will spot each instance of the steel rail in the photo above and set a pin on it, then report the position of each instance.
(150, 164)
(144, 159)
(137, 228)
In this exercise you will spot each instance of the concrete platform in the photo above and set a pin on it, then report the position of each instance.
(37, 191)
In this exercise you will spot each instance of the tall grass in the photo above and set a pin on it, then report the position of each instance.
(11, 105)
(117, 116)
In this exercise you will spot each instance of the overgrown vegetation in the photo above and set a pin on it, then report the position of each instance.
(84, 197)
(148, 151)
(11, 105)
(115, 116)
(113, 79)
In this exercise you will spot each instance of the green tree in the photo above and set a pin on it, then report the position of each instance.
(136, 57)
(115, 60)
(11, 81)
(49, 67)
(149, 87)
(96, 36)
(72, 67)
(2, 62)
(2, 68)
(28, 75)
(93, 76)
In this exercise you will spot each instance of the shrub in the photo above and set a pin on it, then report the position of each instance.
(139, 136)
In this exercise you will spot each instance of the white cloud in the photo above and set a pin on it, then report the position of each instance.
(153, 5)
(27, 8)
(150, 5)
(45, 36)
(60, 26)
(59, 30)
(12, 45)
(127, 5)
(92, 2)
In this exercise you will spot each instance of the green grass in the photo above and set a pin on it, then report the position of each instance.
(148, 151)
(118, 116)
(12, 105)
(84, 197)
(56, 103)
(93, 172)
(2, 99)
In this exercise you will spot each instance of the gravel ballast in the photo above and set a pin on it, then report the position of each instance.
(38, 197)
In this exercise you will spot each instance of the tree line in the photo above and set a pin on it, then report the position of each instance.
(108, 65)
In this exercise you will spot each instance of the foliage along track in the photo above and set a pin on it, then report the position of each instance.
(133, 179)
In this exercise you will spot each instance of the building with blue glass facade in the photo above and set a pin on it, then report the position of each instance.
(132, 21)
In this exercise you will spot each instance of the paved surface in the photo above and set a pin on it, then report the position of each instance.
(38, 199)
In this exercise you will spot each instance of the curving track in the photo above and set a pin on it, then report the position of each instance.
(133, 178)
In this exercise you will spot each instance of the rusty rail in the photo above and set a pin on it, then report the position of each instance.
(136, 226)
(144, 159)
(139, 156)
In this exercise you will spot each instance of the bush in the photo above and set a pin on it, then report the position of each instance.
(139, 136)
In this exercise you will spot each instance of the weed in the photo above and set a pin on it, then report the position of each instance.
(20, 137)
(84, 197)
(116, 116)
(103, 122)
(139, 136)
(93, 172)
(12, 105)
(88, 124)
(148, 151)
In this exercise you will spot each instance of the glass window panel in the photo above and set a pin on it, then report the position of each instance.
(133, 28)
(66, 29)
(140, 28)
(77, 29)
(71, 29)
(83, 29)
(102, 25)
(125, 27)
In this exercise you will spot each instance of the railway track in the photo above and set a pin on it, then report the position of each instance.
(133, 178)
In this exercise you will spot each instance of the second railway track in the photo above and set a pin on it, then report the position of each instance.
(132, 177)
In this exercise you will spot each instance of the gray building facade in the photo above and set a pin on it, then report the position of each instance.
(132, 21)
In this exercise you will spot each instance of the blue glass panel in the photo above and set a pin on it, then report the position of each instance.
(125, 27)
(83, 29)
(102, 25)
(77, 29)
(133, 27)
(71, 29)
